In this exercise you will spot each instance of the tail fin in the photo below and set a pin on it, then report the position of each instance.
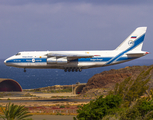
(134, 41)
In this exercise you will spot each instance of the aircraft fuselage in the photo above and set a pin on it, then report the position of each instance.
(40, 60)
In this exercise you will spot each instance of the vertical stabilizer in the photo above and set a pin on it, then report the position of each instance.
(134, 41)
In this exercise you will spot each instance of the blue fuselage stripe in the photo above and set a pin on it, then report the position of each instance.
(27, 60)
(44, 60)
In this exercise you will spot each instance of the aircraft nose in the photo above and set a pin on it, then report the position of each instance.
(8, 61)
(5, 61)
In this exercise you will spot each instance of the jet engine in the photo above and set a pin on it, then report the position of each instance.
(54, 60)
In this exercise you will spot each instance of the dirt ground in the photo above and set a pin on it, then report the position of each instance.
(46, 103)
(51, 117)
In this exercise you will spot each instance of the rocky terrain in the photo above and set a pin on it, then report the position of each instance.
(107, 79)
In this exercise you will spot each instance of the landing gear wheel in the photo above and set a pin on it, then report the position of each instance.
(24, 70)
(80, 69)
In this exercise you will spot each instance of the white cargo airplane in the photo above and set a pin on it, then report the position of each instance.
(77, 60)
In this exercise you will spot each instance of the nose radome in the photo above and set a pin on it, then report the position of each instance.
(5, 61)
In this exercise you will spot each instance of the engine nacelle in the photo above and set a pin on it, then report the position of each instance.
(51, 60)
(62, 60)
(54, 60)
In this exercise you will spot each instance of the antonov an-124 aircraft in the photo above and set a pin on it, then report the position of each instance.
(129, 49)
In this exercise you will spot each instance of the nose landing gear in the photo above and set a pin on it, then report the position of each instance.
(24, 69)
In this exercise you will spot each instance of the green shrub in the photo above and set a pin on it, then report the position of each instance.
(79, 106)
(131, 89)
(62, 106)
(99, 108)
(142, 109)
(58, 113)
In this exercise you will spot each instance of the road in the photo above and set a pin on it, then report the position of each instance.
(47, 100)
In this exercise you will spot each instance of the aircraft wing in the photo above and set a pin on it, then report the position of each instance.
(70, 56)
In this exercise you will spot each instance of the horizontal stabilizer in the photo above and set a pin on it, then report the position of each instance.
(136, 54)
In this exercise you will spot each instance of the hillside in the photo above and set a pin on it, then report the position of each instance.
(107, 79)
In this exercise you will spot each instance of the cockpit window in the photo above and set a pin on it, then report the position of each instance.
(18, 54)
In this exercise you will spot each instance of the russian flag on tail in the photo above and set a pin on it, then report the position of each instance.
(133, 37)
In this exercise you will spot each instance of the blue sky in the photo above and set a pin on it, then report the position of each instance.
(37, 25)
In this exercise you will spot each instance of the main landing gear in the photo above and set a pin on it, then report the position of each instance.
(72, 69)
(24, 69)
